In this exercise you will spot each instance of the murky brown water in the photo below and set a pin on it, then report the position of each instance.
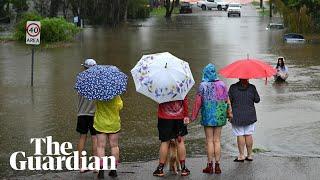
(288, 114)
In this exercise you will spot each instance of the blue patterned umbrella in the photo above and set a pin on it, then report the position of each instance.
(101, 82)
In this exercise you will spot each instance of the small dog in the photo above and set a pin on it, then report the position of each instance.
(173, 159)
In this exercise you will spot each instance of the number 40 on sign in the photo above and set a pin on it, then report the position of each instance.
(33, 32)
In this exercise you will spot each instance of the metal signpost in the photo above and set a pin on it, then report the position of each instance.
(33, 37)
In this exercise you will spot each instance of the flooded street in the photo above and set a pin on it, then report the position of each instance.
(288, 114)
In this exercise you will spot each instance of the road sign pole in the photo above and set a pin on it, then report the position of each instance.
(33, 29)
(32, 63)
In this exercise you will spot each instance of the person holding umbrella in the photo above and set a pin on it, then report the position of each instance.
(104, 84)
(243, 96)
(212, 99)
(167, 80)
(85, 115)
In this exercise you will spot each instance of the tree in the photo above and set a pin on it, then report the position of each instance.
(20, 6)
(2, 11)
(300, 15)
(54, 7)
(270, 8)
(169, 7)
(65, 7)
(42, 7)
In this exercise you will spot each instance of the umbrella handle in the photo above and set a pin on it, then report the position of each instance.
(266, 82)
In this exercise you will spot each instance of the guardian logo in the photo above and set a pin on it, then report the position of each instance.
(57, 157)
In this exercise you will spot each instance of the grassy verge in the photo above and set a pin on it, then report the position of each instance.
(255, 3)
(161, 11)
(57, 45)
(264, 12)
(6, 38)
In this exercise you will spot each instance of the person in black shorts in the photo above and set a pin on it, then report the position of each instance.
(86, 110)
(172, 120)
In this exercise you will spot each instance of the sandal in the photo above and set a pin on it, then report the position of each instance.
(248, 159)
(238, 160)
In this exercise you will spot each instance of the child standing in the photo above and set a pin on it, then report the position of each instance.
(172, 117)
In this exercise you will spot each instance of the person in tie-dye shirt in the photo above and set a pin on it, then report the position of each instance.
(212, 99)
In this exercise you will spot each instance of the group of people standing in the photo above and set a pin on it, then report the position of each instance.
(102, 119)
(217, 106)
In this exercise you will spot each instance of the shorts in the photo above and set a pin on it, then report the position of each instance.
(84, 124)
(171, 128)
(243, 130)
(99, 132)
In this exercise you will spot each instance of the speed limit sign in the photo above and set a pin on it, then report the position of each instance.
(33, 29)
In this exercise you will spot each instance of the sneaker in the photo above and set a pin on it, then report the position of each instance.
(101, 174)
(185, 171)
(113, 173)
(208, 169)
(158, 172)
(217, 169)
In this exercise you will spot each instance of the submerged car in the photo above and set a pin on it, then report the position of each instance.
(185, 7)
(234, 9)
(275, 26)
(293, 38)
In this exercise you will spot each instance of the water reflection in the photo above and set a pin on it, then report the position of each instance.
(280, 86)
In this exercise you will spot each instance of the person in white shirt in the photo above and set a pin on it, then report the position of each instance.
(282, 70)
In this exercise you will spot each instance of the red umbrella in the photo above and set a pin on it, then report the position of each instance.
(248, 69)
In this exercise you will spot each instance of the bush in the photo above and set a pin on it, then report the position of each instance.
(57, 29)
(52, 29)
(20, 30)
(138, 9)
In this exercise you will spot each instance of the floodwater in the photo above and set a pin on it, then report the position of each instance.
(288, 114)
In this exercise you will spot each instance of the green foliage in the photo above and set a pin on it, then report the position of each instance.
(300, 15)
(138, 9)
(52, 29)
(264, 12)
(20, 29)
(57, 29)
(255, 3)
(161, 11)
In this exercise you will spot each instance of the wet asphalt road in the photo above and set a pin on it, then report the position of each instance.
(262, 168)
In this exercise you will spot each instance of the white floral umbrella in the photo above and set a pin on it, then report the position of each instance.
(162, 77)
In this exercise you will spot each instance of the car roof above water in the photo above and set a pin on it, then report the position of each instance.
(275, 26)
(293, 36)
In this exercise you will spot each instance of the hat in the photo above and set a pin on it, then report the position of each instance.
(209, 73)
(89, 63)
